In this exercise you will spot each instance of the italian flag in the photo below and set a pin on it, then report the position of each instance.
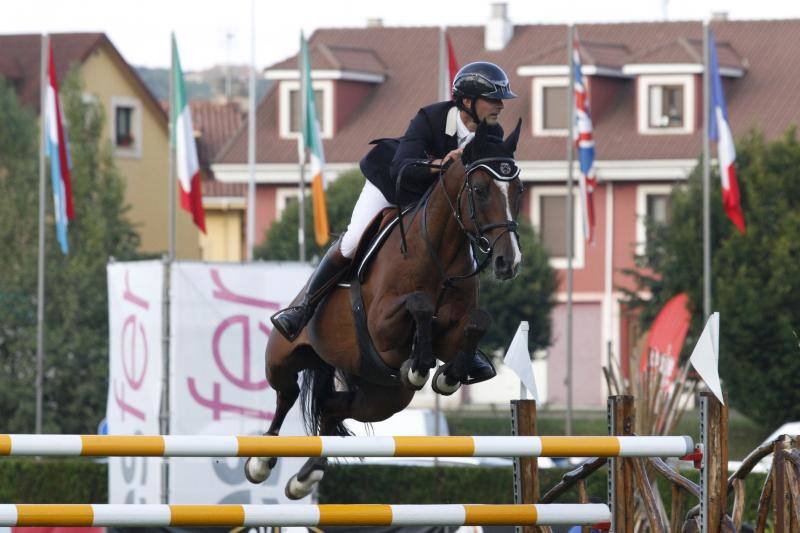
(185, 148)
(312, 141)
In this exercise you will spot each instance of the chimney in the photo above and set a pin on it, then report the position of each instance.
(718, 16)
(498, 28)
(375, 22)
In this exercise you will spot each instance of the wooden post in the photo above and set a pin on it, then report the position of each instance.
(714, 470)
(779, 490)
(621, 418)
(526, 478)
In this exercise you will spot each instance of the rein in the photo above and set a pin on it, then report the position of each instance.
(477, 241)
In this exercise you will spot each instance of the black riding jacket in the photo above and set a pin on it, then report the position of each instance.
(430, 135)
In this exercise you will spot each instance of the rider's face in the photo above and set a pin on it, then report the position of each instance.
(488, 109)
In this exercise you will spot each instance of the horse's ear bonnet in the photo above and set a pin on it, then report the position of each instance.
(511, 141)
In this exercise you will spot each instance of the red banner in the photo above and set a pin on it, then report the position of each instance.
(665, 340)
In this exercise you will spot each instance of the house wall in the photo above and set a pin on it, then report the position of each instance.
(223, 238)
(145, 176)
(349, 97)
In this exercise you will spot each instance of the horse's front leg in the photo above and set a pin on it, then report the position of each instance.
(415, 370)
(448, 377)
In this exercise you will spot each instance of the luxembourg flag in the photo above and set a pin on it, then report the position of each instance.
(185, 147)
(719, 130)
(57, 150)
(312, 141)
(584, 141)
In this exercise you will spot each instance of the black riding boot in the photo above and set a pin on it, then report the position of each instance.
(291, 321)
(479, 368)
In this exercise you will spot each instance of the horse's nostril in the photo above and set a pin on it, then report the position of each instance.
(499, 262)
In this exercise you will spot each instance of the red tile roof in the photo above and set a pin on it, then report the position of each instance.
(767, 96)
(331, 57)
(214, 124)
(20, 61)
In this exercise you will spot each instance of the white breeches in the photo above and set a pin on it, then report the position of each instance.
(370, 203)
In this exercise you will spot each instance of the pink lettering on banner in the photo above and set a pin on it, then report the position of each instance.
(243, 382)
(119, 397)
(236, 330)
(134, 358)
(130, 355)
(217, 406)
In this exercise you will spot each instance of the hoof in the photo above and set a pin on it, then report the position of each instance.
(412, 379)
(441, 384)
(258, 469)
(297, 490)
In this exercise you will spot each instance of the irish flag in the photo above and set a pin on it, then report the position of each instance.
(312, 141)
(185, 148)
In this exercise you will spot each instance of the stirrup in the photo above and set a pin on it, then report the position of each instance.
(289, 336)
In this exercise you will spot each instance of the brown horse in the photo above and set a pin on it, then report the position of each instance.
(420, 305)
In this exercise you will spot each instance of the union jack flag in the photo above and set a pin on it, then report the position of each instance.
(584, 142)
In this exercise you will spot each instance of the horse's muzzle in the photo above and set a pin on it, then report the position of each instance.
(503, 268)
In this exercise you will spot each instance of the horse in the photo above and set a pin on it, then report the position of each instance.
(420, 304)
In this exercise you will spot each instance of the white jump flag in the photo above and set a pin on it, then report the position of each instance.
(518, 359)
(705, 356)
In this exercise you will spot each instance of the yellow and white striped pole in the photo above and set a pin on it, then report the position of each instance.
(76, 515)
(265, 446)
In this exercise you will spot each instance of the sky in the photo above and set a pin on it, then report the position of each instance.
(213, 32)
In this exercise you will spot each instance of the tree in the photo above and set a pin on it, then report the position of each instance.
(76, 341)
(527, 297)
(756, 276)
(530, 296)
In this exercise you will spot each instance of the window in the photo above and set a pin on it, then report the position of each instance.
(554, 107)
(666, 104)
(126, 129)
(549, 214)
(652, 207)
(284, 197)
(550, 106)
(296, 109)
(289, 111)
(552, 225)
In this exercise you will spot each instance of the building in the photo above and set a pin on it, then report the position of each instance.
(645, 85)
(136, 125)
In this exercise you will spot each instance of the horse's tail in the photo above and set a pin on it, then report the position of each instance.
(319, 384)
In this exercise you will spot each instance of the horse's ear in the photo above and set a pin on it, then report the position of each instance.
(481, 138)
(511, 141)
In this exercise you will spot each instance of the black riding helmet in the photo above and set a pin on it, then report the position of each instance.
(480, 79)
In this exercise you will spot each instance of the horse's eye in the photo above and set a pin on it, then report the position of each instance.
(481, 191)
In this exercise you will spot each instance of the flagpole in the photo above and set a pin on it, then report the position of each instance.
(301, 232)
(43, 83)
(570, 218)
(444, 94)
(166, 325)
(251, 139)
(706, 179)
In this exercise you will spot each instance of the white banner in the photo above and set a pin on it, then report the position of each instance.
(220, 324)
(135, 374)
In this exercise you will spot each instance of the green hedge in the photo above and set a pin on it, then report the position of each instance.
(86, 481)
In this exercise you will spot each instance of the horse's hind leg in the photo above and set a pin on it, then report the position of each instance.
(448, 377)
(301, 484)
(282, 374)
(414, 371)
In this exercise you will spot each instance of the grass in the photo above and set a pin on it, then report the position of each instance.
(744, 435)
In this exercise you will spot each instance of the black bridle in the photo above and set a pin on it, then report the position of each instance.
(501, 169)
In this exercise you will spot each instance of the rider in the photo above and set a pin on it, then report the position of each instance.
(438, 133)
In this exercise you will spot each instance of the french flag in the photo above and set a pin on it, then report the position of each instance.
(58, 152)
(719, 130)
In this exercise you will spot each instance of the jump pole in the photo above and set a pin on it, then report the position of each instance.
(714, 463)
(267, 446)
(110, 515)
